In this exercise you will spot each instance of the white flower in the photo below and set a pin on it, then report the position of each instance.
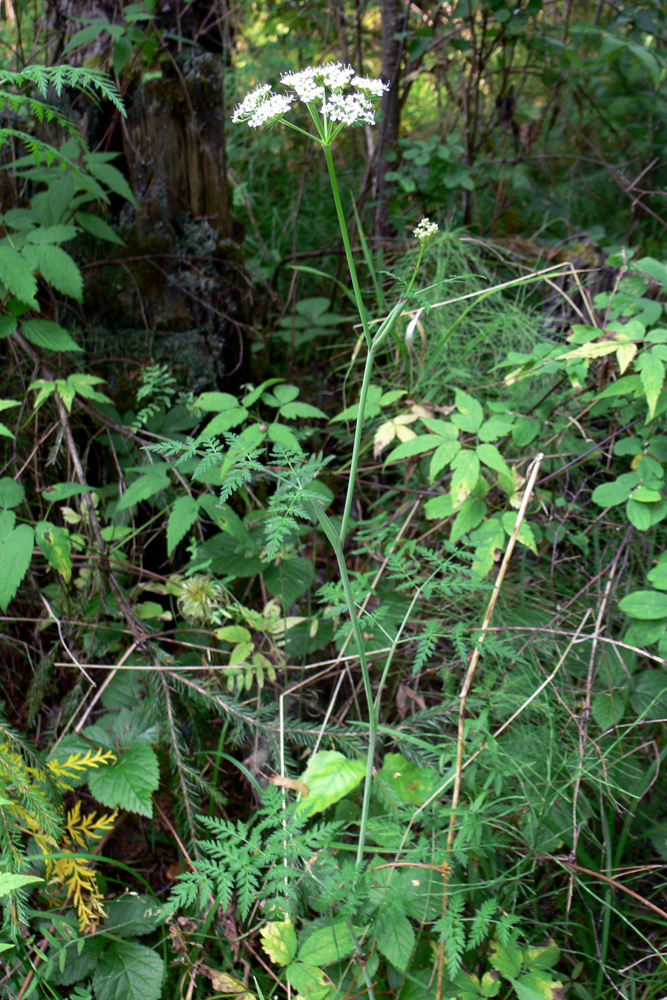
(261, 106)
(349, 109)
(344, 97)
(425, 231)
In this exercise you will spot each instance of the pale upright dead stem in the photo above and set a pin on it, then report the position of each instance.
(465, 691)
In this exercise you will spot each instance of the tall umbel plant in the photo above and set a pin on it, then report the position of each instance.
(335, 98)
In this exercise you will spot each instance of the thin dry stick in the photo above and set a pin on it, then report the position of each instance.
(465, 690)
(586, 710)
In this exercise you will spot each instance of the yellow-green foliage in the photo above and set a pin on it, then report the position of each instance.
(32, 805)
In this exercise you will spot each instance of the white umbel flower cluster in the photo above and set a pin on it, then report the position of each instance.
(261, 106)
(425, 231)
(343, 96)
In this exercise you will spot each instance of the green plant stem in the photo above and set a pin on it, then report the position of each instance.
(327, 527)
(346, 241)
(375, 344)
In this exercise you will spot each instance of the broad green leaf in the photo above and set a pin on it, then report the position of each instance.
(10, 882)
(643, 516)
(289, 579)
(652, 371)
(327, 945)
(329, 777)
(647, 605)
(98, 228)
(128, 783)
(396, 940)
(525, 431)
(112, 178)
(608, 708)
(128, 971)
(416, 446)
(64, 491)
(465, 467)
(618, 491)
(282, 394)
(506, 959)
(496, 427)
(48, 335)
(223, 422)
(181, 518)
(290, 411)
(442, 456)
(8, 326)
(470, 415)
(310, 982)
(372, 409)
(11, 492)
(279, 940)
(470, 515)
(490, 456)
(7, 522)
(58, 268)
(233, 634)
(406, 782)
(17, 276)
(143, 488)
(282, 434)
(130, 915)
(216, 402)
(55, 544)
(657, 577)
(52, 234)
(537, 986)
(649, 698)
(15, 556)
(526, 535)
(543, 957)
(439, 508)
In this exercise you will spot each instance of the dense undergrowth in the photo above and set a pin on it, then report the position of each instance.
(349, 682)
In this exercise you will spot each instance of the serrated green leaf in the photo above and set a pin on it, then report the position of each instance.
(439, 508)
(58, 268)
(11, 492)
(181, 518)
(471, 514)
(128, 971)
(608, 708)
(279, 940)
(131, 915)
(290, 411)
(144, 488)
(465, 466)
(495, 427)
(282, 434)
(289, 579)
(10, 882)
(112, 178)
(490, 456)
(526, 535)
(52, 234)
(525, 431)
(15, 556)
(538, 986)
(98, 228)
(56, 546)
(329, 777)
(310, 982)
(506, 959)
(470, 414)
(17, 276)
(8, 325)
(128, 783)
(396, 940)
(442, 457)
(51, 336)
(652, 372)
(327, 945)
(647, 605)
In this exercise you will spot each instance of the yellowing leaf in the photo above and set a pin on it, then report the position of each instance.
(55, 544)
(624, 355)
(279, 940)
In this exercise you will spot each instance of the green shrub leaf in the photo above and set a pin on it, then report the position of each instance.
(15, 556)
(647, 605)
(329, 777)
(181, 518)
(128, 971)
(128, 783)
